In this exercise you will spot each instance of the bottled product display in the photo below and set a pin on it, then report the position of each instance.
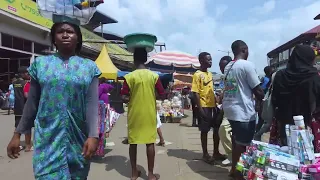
(297, 161)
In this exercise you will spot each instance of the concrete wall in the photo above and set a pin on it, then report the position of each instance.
(18, 29)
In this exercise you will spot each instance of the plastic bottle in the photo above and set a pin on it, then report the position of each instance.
(299, 121)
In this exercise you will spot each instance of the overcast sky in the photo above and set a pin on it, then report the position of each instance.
(212, 25)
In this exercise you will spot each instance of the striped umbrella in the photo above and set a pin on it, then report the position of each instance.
(175, 59)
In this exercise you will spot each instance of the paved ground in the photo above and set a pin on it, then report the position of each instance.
(180, 160)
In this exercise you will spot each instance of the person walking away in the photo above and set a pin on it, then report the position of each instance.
(296, 91)
(20, 98)
(159, 132)
(202, 87)
(63, 107)
(11, 96)
(265, 84)
(225, 128)
(242, 82)
(115, 99)
(139, 90)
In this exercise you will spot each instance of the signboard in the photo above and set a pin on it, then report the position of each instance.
(27, 9)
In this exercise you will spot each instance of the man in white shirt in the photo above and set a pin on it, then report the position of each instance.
(242, 83)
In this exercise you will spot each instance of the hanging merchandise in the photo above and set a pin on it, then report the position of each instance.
(107, 120)
(101, 128)
(112, 118)
(80, 10)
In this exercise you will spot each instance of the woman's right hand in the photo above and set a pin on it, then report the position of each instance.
(13, 147)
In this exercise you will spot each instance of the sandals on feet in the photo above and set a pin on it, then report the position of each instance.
(208, 160)
(220, 157)
(28, 150)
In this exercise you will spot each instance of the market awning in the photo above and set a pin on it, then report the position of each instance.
(175, 59)
(104, 63)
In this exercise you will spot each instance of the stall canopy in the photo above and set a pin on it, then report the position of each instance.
(174, 61)
(104, 63)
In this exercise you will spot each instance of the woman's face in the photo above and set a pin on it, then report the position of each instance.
(66, 37)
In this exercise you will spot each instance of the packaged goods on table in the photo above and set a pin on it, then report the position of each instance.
(169, 110)
(266, 161)
(296, 161)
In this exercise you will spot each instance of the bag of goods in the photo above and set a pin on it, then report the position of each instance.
(101, 128)
(81, 11)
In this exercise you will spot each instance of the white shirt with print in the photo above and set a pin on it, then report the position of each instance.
(238, 102)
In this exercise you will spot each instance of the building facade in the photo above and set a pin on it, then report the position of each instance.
(279, 56)
(25, 35)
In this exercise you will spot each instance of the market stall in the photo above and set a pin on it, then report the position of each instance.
(171, 110)
(106, 66)
(297, 161)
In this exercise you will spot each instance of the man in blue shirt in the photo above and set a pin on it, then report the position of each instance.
(265, 81)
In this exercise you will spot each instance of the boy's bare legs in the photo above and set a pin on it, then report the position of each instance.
(133, 160)
(151, 156)
(161, 143)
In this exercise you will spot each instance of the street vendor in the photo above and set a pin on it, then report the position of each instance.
(139, 90)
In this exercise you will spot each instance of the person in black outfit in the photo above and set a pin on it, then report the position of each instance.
(296, 91)
(115, 100)
(19, 102)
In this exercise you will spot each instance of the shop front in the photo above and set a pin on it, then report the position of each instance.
(25, 35)
(20, 43)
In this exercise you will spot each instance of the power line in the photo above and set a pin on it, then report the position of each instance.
(228, 52)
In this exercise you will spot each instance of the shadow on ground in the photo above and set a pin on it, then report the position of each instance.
(185, 124)
(195, 163)
(121, 164)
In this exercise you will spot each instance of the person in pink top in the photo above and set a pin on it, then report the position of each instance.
(104, 90)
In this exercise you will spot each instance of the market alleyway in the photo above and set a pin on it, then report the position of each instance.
(179, 160)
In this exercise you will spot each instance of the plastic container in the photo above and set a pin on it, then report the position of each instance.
(140, 40)
(299, 121)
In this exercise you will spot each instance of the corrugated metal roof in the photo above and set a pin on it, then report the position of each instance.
(314, 30)
(310, 33)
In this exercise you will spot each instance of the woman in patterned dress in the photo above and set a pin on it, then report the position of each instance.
(63, 107)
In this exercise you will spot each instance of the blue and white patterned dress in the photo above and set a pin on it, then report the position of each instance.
(60, 128)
